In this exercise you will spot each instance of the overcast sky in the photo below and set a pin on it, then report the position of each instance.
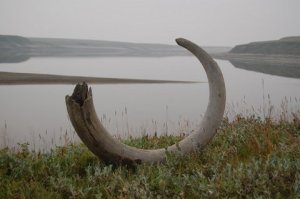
(206, 22)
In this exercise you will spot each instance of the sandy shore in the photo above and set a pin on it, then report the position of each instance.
(8, 78)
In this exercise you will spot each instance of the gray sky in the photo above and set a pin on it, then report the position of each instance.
(206, 22)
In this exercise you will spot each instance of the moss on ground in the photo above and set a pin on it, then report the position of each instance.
(248, 158)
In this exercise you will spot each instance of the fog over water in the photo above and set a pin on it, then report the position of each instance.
(37, 114)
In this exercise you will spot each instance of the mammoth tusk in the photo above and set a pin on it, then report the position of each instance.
(87, 125)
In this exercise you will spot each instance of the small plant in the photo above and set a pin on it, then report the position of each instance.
(248, 158)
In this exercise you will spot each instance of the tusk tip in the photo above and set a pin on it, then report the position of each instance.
(181, 41)
(81, 93)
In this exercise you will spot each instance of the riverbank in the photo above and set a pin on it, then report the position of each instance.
(248, 157)
(259, 58)
(9, 78)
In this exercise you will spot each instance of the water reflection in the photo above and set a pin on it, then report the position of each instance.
(291, 70)
(37, 114)
(13, 56)
(287, 68)
(15, 49)
(284, 66)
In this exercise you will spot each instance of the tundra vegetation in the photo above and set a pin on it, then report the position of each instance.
(249, 157)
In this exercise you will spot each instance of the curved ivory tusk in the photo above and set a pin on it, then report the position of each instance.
(87, 125)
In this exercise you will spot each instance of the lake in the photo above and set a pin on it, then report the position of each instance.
(37, 114)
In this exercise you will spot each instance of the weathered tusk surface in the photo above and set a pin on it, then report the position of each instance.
(89, 128)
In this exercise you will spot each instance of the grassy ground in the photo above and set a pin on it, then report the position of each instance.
(248, 158)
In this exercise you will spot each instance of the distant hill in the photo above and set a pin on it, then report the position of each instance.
(284, 46)
(10, 41)
(16, 48)
(54, 47)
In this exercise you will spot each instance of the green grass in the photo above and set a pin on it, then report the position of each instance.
(248, 158)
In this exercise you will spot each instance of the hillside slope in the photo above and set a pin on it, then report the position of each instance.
(284, 46)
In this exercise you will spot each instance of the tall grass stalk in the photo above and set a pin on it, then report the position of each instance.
(3, 136)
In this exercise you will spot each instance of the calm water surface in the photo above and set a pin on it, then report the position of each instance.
(37, 113)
